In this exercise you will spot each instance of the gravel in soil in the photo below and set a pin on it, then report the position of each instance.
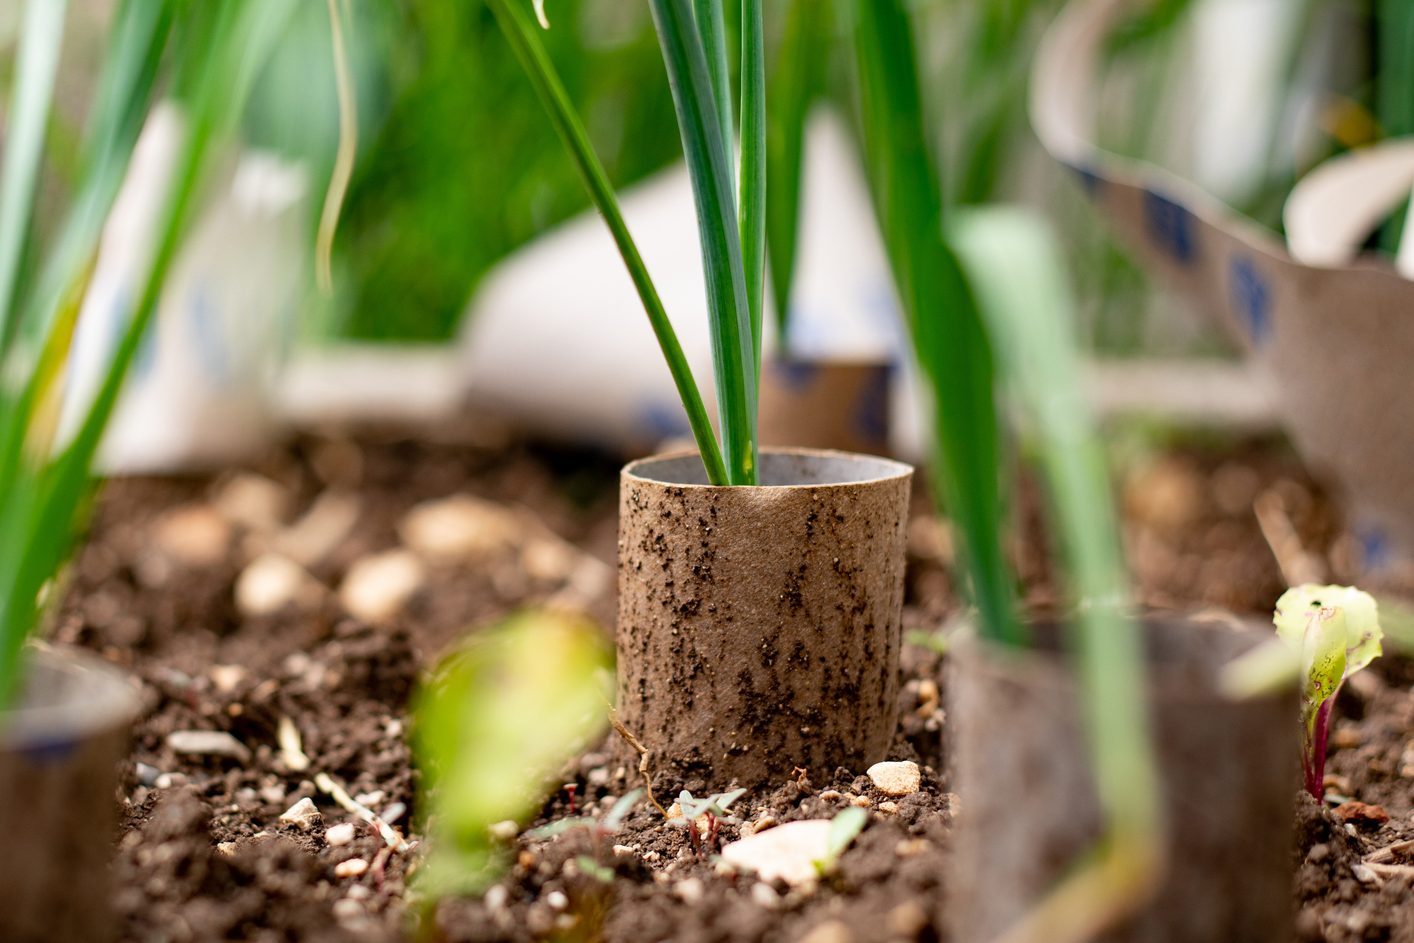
(310, 678)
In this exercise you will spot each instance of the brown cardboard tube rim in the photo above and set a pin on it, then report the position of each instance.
(66, 696)
(781, 469)
(1179, 672)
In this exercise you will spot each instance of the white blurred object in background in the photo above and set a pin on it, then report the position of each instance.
(200, 390)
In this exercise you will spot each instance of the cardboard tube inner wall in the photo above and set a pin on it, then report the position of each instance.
(759, 626)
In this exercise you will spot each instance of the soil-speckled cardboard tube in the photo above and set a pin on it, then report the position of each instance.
(1028, 810)
(826, 404)
(59, 754)
(759, 626)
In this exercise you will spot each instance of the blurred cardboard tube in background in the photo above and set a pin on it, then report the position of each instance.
(1328, 332)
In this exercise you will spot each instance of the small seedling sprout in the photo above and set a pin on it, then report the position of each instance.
(1336, 632)
(714, 808)
(597, 829)
(844, 829)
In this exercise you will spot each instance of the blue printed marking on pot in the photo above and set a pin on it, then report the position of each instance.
(1251, 295)
(1091, 181)
(48, 751)
(796, 374)
(1375, 550)
(1171, 228)
(871, 410)
(663, 421)
(206, 328)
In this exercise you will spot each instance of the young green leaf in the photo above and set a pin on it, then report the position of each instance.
(494, 724)
(948, 337)
(1336, 631)
(1017, 274)
(844, 829)
(793, 79)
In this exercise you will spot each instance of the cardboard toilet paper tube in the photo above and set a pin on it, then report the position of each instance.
(759, 626)
(60, 746)
(1332, 340)
(1228, 771)
(826, 404)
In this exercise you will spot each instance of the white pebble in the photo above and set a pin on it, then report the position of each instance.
(497, 897)
(272, 582)
(896, 778)
(764, 895)
(459, 528)
(303, 815)
(208, 743)
(351, 868)
(340, 834)
(690, 890)
(557, 900)
(504, 831)
(377, 587)
(787, 852)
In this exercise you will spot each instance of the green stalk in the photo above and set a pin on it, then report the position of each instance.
(711, 19)
(753, 166)
(520, 33)
(36, 65)
(1016, 270)
(791, 91)
(711, 171)
(948, 336)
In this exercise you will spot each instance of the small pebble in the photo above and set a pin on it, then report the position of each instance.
(1361, 813)
(272, 582)
(910, 847)
(497, 897)
(831, 931)
(303, 815)
(340, 834)
(227, 678)
(194, 535)
(377, 587)
(787, 852)
(908, 920)
(830, 795)
(147, 775)
(226, 848)
(764, 895)
(346, 909)
(861, 801)
(1364, 875)
(351, 868)
(690, 890)
(1318, 853)
(896, 778)
(624, 851)
(888, 808)
(503, 831)
(557, 900)
(208, 743)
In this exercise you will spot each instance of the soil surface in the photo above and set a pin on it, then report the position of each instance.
(294, 606)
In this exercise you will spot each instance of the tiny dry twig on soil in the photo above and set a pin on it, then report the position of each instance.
(1387, 853)
(1297, 566)
(336, 792)
(643, 756)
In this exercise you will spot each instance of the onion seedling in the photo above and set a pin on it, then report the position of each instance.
(1335, 630)
(215, 50)
(731, 223)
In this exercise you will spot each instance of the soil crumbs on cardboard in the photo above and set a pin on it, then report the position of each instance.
(217, 843)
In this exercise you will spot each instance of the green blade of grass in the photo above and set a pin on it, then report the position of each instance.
(791, 90)
(521, 35)
(1016, 271)
(36, 65)
(710, 170)
(753, 166)
(711, 19)
(947, 332)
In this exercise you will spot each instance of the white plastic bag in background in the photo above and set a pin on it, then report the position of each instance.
(199, 392)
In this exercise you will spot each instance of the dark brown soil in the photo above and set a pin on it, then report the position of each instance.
(204, 855)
